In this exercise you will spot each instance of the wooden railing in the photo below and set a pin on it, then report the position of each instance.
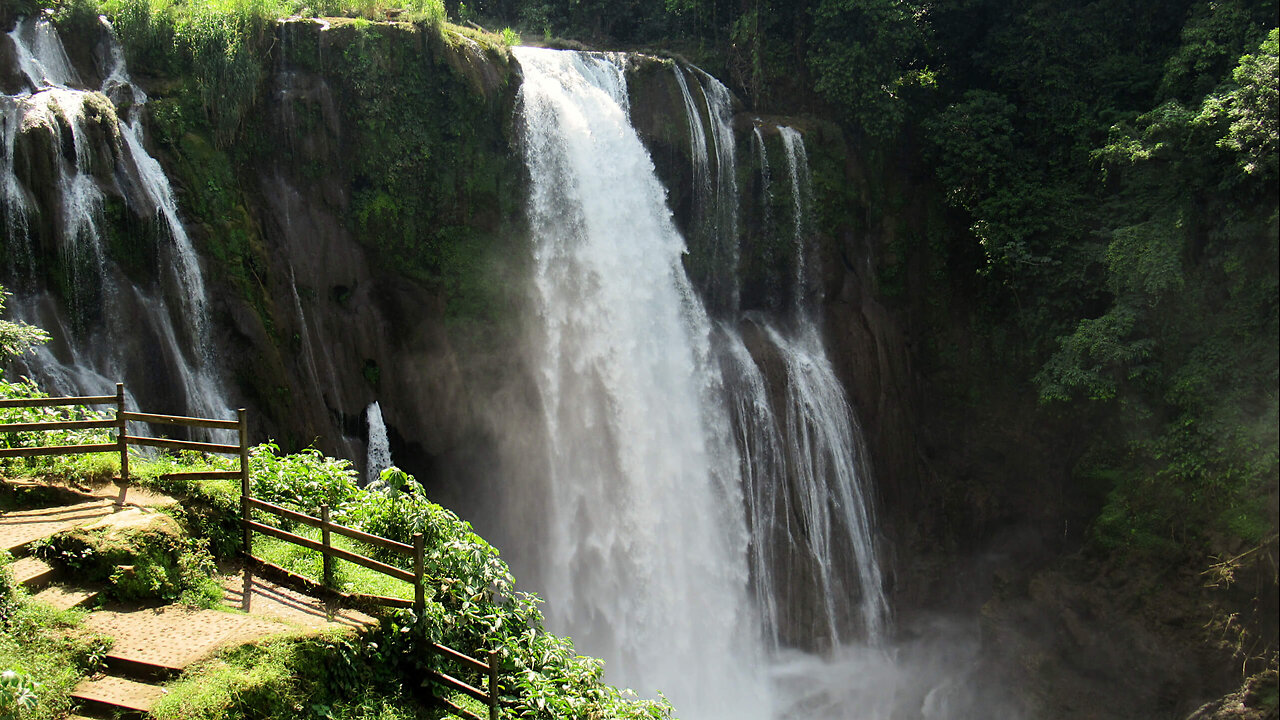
(329, 552)
(489, 670)
(248, 503)
(123, 439)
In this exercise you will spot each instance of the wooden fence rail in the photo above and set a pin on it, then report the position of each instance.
(326, 547)
(248, 504)
(488, 696)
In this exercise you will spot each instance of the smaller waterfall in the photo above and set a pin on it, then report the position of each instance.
(714, 235)
(158, 191)
(379, 457)
(80, 248)
(702, 189)
(13, 201)
(720, 108)
(41, 56)
(802, 198)
(205, 395)
(102, 301)
(766, 176)
(764, 457)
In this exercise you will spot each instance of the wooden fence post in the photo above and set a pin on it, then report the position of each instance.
(122, 429)
(324, 540)
(244, 482)
(419, 589)
(493, 685)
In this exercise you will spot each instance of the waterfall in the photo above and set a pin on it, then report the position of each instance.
(13, 202)
(645, 564)
(764, 457)
(41, 56)
(703, 192)
(804, 468)
(802, 201)
(720, 110)
(766, 176)
(379, 457)
(104, 304)
(666, 432)
(715, 231)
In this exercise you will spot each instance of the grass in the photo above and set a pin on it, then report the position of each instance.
(294, 677)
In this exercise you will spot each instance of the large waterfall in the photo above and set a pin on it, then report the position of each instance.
(705, 515)
(646, 537)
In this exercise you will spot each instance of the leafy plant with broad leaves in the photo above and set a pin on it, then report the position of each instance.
(17, 694)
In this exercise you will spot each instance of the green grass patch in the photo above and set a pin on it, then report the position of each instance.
(299, 677)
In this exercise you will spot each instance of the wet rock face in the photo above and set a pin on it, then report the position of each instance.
(658, 116)
(12, 80)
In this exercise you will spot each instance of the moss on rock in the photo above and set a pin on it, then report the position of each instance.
(141, 555)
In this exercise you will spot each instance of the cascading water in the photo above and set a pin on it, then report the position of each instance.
(379, 457)
(41, 56)
(645, 550)
(83, 357)
(804, 468)
(705, 517)
(713, 236)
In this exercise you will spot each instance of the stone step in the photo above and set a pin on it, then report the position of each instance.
(141, 669)
(117, 695)
(32, 573)
(20, 528)
(62, 597)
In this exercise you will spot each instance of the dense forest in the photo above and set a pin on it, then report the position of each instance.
(1071, 211)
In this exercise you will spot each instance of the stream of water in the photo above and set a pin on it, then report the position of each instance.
(701, 525)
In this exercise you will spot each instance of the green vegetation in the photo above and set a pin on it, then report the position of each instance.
(44, 653)
(287, 677)
(140, 556)
(18, 337)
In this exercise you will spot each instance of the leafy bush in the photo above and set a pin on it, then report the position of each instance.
(302, 481)
(95, 468)
(17, 337)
